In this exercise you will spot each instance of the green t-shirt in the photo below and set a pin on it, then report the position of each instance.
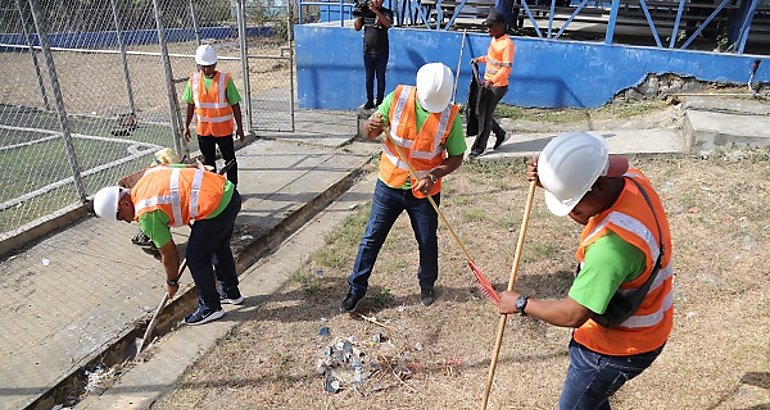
(609, 262)
(232, 93)
(155, 223)
(455, 142)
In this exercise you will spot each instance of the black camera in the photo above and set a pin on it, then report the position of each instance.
(361, 8)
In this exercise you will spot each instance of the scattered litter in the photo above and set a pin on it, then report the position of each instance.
(691, 315)
(319, 273)
(352, 207)
(246, 237)
(323, 319)
(11, 258)
(418, 346)
(332, 384)
(46, 262)
(379, 337)
(325, 331)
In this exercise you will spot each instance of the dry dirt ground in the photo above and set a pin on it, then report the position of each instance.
(718, 356)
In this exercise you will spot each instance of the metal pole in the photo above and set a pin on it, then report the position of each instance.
(244, 62)
(611, 24)
(180, 147)
(62, 114)
(32, 53)
(123, 57)
(290, 37)
(194, 19)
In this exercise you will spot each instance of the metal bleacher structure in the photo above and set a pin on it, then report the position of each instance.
(710, 25)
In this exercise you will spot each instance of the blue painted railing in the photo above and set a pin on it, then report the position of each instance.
(430, 15)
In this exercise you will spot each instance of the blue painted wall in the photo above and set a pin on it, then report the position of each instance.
(546, 73)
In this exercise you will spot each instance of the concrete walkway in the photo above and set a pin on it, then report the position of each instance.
(70, 297)
(74, 298)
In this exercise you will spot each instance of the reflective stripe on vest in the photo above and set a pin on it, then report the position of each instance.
(630, 224)
(171, 199)
(631, 219)
(424, 148)
(213, 113)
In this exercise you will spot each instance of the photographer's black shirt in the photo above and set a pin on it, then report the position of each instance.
(375, 35)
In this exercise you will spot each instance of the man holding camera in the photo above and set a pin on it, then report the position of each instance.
(375, 20)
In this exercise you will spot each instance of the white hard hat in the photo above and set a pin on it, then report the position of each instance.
(205, 55)
(570, 164)
(434, 86)
(106, 203)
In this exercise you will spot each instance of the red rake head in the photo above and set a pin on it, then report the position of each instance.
(483, 283)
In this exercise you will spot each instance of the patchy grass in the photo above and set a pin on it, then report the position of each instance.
(567, 115)
(718, 356)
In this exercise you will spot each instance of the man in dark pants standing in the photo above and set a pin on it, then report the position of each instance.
(375, 20)
(212, 98)
(499, 60)
(176, 195)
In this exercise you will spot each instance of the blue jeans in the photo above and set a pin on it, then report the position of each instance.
(209, 244)
(387, 205)
(593, 377)
(375, 64)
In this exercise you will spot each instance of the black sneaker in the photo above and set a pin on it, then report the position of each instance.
(369, 105)
(474, 155)
(426, 297)
(500, 140)
(231, 299)
(203, 315)
(350, 302)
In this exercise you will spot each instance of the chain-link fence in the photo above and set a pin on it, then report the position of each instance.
(92, 88)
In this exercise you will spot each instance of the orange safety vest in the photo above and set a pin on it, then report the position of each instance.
(424, 150)
(498, 65)
(184, 194)
(632, 219)
(213, 114)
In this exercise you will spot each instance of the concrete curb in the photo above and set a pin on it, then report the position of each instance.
(268, 242)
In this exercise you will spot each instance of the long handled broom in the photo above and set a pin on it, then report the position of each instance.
(139, 344)
(481, 281)
(511, 285)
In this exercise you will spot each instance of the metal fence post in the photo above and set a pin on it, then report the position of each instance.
(194, 19)
(290, 38)
(244, 61)
(33, 54)
(37, 17)
(180, 147)
(123, 57)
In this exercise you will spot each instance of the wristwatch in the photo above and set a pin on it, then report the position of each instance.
(521, 303)
(433, 178)
(175, 282)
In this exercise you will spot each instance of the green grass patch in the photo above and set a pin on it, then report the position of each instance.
(342, 242)
(309, 282)
(474, 215)
(539, 251)
(380, 298)
(565, 115)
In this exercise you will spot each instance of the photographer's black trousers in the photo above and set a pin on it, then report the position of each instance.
(375, 63)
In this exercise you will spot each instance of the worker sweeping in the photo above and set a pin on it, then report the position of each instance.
(620, 302)
(176, 195)
(426, 126)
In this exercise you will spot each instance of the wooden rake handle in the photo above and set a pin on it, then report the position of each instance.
(413, 174)
(511, 284)
(153, 321)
